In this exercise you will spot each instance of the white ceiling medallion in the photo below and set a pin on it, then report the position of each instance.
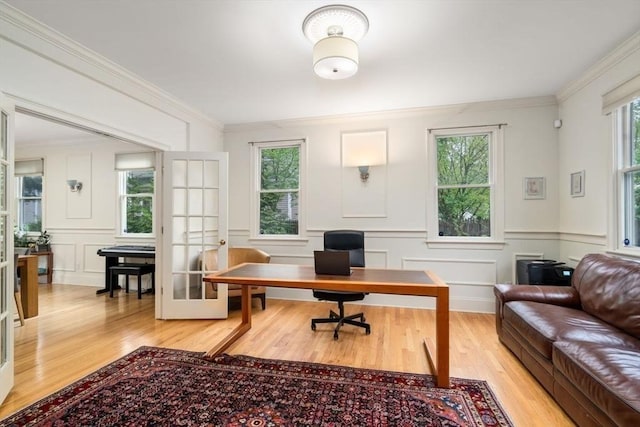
(335, 31)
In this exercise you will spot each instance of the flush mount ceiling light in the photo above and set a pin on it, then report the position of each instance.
(335, 31)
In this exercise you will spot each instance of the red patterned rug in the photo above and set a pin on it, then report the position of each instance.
(164, 387)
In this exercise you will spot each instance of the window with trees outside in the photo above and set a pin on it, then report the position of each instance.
(628, 131)
(463, 164)
(136, 201)
(277, 183)
(29, 203)
(29, 175)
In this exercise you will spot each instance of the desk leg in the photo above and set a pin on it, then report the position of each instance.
(440, 366)
(239, 330)
(29, 287)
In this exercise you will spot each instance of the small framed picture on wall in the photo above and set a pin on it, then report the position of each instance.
(577, 184)
(534, 188)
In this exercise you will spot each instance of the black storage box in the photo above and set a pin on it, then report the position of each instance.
(543, 272)
(522, 268)
(550, 274)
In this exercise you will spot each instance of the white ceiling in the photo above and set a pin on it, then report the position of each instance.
(246, 61)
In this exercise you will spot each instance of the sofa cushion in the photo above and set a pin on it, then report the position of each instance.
(608, 376)
(543, 324)
(608, 288)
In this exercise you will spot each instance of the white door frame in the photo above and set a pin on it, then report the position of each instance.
(7, 343)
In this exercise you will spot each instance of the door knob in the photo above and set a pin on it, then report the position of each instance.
(222, 242)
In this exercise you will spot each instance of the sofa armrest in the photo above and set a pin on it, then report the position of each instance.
(556, 295)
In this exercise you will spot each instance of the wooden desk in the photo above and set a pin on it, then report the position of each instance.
(398, 282)
(28, 266)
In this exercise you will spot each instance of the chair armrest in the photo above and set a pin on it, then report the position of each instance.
(555, 295)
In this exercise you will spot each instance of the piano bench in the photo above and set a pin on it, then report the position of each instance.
(129, 269)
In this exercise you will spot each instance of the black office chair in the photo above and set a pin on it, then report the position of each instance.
(352, 241)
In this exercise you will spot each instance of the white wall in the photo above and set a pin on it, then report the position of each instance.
(80, 223)
(586, 143)
(49, 74)
(398, 240)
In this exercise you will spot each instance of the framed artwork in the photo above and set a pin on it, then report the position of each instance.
(577, 184)
(534, 188)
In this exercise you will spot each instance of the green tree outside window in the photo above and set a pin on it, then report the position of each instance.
(139, 185)
(279, 190)
(464, 194)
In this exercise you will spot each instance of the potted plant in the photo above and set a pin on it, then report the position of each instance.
(22, 240)
(44, 242)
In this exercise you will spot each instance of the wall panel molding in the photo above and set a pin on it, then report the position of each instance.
(586, 238)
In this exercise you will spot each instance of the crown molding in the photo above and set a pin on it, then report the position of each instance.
(13, 19)
(531, 102)
(628, 47)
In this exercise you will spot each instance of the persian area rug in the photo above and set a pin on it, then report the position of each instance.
(163, 387)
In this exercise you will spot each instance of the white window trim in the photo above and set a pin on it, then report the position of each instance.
(255, 193)
(18, 187)
(122, 207)
(496, 184)
(618, 206)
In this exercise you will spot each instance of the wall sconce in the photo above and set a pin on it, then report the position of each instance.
(74, 185)
(364, 149)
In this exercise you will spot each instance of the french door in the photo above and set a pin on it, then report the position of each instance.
(6, 249)
(194, 222)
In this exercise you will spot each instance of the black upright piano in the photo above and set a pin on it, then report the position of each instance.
(112, 257)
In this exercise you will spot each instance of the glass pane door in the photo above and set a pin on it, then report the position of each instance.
(195, 234)
(6, 251)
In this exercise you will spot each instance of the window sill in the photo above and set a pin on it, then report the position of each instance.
(273, 240)
(466, 244)
(135, 236)
(625, 252)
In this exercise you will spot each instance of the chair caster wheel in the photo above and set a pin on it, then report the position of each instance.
(335, 336)
(368, 331)
(313, 326)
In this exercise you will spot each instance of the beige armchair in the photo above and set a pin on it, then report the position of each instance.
(236, 256)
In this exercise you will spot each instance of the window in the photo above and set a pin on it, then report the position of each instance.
(465, 165)
(136, 201)
(136, 186)
(278, 170)
(29, 174)
(29, 203)
(628, 135)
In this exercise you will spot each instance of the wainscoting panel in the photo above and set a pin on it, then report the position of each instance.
(455, 270)
(64, 256)
(470, 281)
(93, 263)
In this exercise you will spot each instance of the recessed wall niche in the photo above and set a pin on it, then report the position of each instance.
(364, 174)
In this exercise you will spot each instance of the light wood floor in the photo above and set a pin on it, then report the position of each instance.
(78, 332)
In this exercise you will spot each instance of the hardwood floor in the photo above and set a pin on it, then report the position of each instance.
(77, 332)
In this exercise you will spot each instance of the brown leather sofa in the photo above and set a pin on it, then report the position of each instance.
(581, 342)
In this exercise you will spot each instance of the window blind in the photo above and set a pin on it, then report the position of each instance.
(132, 161)
(29, 167)
(621, 95)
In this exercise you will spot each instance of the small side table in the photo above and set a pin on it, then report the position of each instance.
(49, 271)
